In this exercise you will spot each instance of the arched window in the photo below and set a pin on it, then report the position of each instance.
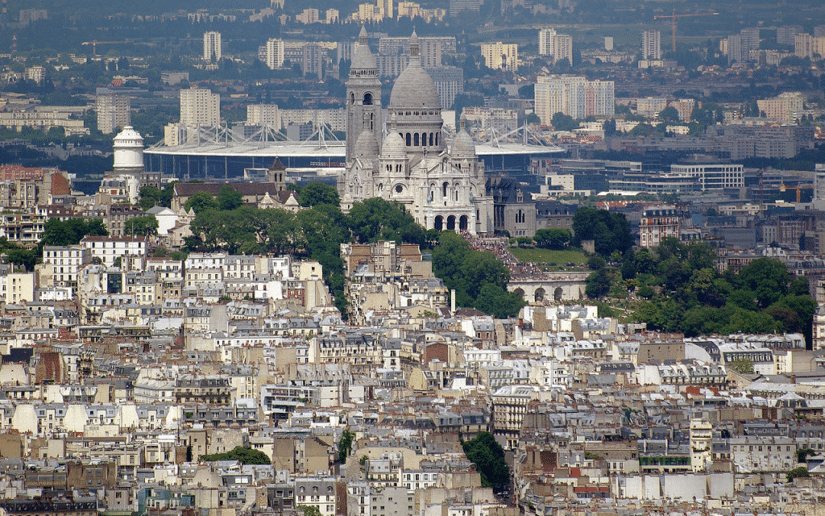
(431, 139)
(444, 189)
(352, 98)
(415, 139)
(423, 139)
(408, 140)
(368, 99)
(436, 139)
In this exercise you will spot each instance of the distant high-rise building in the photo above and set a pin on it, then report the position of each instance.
(26, 16)
(312, 60)
(274, 53)
(36, 74)
(736, 51)
(608, 43)
(307, 16)
(199, 108)
(573, 96)
(809, 46)
(750, 39)
(652, 45)
(563, 48)
(556, 46)
(459, 6)
(785, 34)
(500, 56)
(212, 46)
(263, 114)
(449, 81)
(546, 41)
(113, 112)
(786, 108)
(386, 8)
(432, 48)
(391, 65)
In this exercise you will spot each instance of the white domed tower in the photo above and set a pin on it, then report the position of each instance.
(415, 103)
(128, 152)
(363, 95)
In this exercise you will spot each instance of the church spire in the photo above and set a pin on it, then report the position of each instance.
(415, 48)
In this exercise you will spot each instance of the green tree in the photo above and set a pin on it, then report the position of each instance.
(228, 198)
(200, 202)
(803, 454)
(72, 231)
(609, 231)
(562, 122)
(345, 445)
(800, 472)
(146, 225)
(767, 278)
(552, 238)
(378, 219)
(598, 284)
(149, 197)
(494, 300)
(316, 193)
(669, 114)
(241, 454)
(310, 510)
(742, 365)
(488, 456)
(469, 272)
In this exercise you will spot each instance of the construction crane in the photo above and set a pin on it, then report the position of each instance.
(673, 18)
(784, 188)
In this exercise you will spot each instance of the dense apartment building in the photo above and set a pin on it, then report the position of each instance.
(500, 56)
(786, 108)
(199, 108)
(274, 53)
(113, 112)
(212, 46)
(657, 223)
(651, 45)
(573, 96)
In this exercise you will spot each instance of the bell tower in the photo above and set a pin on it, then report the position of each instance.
(363, 95)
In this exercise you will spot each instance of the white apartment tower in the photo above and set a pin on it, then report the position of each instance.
(573, 96)
(212, 46)
(113, 111)
(500, 56)
(274, 53)
(546, 37)
(199, 108)
(263, 114)
(651, 45)
(563, 48)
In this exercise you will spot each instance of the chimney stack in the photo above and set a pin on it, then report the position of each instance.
(452, 302)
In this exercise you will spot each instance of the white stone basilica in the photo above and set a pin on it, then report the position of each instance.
(440, 188)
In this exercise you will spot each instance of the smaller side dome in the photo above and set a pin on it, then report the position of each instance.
(394, 146)
(463, 145)
(366, 146)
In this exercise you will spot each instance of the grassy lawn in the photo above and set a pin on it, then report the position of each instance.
(536, 255)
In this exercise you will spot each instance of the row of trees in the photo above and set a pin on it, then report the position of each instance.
(682, 291)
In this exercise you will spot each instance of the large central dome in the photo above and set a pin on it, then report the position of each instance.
(414, 88)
